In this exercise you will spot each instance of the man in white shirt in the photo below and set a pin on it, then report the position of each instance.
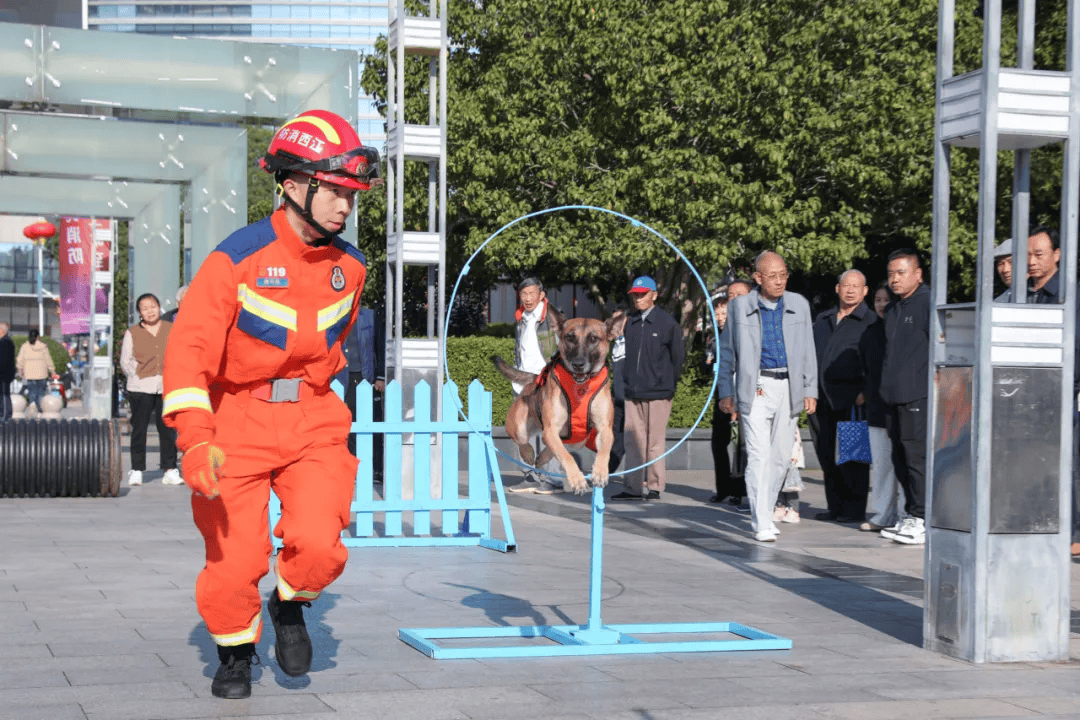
(534, 344)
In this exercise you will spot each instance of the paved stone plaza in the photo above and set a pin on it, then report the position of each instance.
(99, 621)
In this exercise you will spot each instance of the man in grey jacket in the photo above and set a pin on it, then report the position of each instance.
(770, 349)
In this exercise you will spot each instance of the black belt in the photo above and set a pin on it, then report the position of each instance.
(774, 374)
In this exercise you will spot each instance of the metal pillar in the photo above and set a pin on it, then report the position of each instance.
(999, 451)
(410, 360)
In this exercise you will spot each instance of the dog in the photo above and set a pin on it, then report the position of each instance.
(569, 401)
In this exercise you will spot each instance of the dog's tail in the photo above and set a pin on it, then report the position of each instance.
(512, 373)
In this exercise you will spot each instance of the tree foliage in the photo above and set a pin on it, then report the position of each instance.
(730, 126)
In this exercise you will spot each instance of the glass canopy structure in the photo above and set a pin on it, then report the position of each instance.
(120, 126)
(340, 24)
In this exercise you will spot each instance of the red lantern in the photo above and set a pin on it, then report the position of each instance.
(39, 231)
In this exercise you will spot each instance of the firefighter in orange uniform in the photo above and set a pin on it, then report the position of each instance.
(247, 373)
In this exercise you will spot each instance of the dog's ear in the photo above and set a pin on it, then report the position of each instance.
(557, 321)
(615, 324)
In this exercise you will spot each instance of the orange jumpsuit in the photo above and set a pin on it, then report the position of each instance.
(266, 305)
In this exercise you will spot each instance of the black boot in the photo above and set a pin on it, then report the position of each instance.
(293, 647)
(232, 680)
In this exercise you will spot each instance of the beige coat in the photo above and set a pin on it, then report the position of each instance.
(34, 361)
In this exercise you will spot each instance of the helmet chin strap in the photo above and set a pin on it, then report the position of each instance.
(305, 212)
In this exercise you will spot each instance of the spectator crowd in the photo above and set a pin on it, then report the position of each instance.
(855, 372)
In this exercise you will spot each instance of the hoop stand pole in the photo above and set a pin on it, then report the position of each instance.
(593, 638)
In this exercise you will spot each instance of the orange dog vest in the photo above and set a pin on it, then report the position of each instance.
(579, 397)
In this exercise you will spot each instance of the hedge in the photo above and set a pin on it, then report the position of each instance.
(469, 358)
(60, 356)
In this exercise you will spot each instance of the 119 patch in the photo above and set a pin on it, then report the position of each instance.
(272, 276)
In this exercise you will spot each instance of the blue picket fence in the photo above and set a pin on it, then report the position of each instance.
(384, 515)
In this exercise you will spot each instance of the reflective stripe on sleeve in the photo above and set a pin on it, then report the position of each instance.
(187, 399)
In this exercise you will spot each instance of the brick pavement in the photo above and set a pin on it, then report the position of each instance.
(99, 621)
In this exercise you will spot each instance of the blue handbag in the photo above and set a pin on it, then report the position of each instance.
(853, 440)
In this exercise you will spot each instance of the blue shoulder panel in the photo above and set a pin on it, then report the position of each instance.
(350, 250)
(248, 240)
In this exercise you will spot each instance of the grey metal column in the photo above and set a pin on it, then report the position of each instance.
(999, 455)
(410, 360)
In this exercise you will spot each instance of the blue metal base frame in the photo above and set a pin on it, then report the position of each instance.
(595, 638)
(580, 640)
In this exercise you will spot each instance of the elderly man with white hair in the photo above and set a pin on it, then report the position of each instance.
(771, 350)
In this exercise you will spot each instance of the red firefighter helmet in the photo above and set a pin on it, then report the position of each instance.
(323, 145)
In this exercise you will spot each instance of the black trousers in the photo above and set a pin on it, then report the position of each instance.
(721, 438)
(5, 400)
(847, 486)
(376, 414)
(907, 430)
(143, 407)
(618, 445)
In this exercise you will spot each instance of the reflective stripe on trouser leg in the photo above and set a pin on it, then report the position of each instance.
(249, 635)
(236, 532)
(768, 432)
(316, 494)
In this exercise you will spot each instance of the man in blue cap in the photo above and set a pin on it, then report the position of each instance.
(653, 364)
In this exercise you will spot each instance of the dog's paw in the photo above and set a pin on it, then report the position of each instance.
(528, 454)
(576, 480)
(599, 476)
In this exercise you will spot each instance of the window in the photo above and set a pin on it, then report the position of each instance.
(18, 270)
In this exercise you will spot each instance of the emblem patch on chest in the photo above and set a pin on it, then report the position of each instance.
(337, 279)
(272, 276)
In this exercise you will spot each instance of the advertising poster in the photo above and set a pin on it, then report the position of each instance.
(85, 264)
(103, 275)
(76, 271)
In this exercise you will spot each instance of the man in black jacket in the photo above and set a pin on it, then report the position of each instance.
(841, 338)
(653, 364)
(7, 371)
(904, 388)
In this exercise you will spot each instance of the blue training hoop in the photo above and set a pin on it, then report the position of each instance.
(634, 223)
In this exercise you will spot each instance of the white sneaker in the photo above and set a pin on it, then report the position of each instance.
(765, 536)
(778, 513)
(134, 477)
(791, 515)
(912, 532)
(890, 532)
(172, 477)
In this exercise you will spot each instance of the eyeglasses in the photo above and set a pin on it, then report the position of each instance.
(775, 276)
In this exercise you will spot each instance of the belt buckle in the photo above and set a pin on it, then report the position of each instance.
(285, 390)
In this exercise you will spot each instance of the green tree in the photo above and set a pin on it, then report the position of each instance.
(260, 182)
(731, 126)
